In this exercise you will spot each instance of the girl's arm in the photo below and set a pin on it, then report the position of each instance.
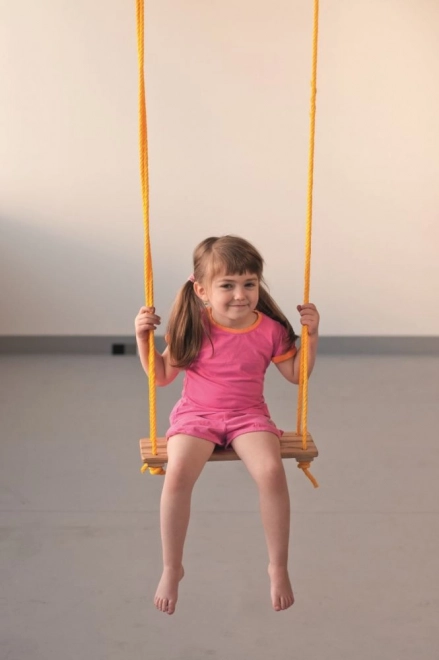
(165, 373)
(290, 369)
(146, 321)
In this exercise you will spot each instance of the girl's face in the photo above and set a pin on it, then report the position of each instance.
(233, 299)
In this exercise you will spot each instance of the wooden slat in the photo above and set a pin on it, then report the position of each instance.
(291, 447)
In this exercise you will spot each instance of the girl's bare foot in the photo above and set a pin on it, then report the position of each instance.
(281, 591)
(167, 592)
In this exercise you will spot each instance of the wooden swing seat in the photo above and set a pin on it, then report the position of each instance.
(290, 447)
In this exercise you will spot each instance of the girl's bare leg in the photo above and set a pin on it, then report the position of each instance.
(186, 458)
(261, 454)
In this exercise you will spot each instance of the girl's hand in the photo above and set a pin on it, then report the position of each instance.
(309, 316)
(145, 322)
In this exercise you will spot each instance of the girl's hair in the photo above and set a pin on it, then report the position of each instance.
(228, 255)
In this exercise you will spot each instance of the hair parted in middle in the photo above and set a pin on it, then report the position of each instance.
(225, 255)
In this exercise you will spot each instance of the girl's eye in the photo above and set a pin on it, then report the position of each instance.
(229, 285)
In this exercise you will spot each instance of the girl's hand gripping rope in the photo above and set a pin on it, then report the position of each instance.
(145, 321)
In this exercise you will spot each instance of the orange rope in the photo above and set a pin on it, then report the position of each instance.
(144, 180)
(304, 465)
(302, 409)
(302, 404)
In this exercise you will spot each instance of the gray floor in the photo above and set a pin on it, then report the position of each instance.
(79, 537)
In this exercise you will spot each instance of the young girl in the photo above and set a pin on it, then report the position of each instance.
(224, 330)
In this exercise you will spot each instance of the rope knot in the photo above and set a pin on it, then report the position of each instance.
(305, 465)
(156, 471)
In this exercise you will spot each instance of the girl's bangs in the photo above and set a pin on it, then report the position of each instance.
(234, 264)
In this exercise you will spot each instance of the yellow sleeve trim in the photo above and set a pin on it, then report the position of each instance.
(285, 356)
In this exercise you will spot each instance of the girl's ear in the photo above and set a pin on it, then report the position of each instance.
(200, 291)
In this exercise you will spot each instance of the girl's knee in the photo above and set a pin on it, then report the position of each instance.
(270, 474)
(179, 477)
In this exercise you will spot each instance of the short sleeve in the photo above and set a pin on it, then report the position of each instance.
(282, 350)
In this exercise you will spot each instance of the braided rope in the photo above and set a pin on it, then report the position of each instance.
(302, 407)
(144, 180)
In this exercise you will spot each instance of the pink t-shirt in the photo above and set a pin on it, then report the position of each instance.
(231, 375)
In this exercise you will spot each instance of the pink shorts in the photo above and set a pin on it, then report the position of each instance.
(221, 428)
